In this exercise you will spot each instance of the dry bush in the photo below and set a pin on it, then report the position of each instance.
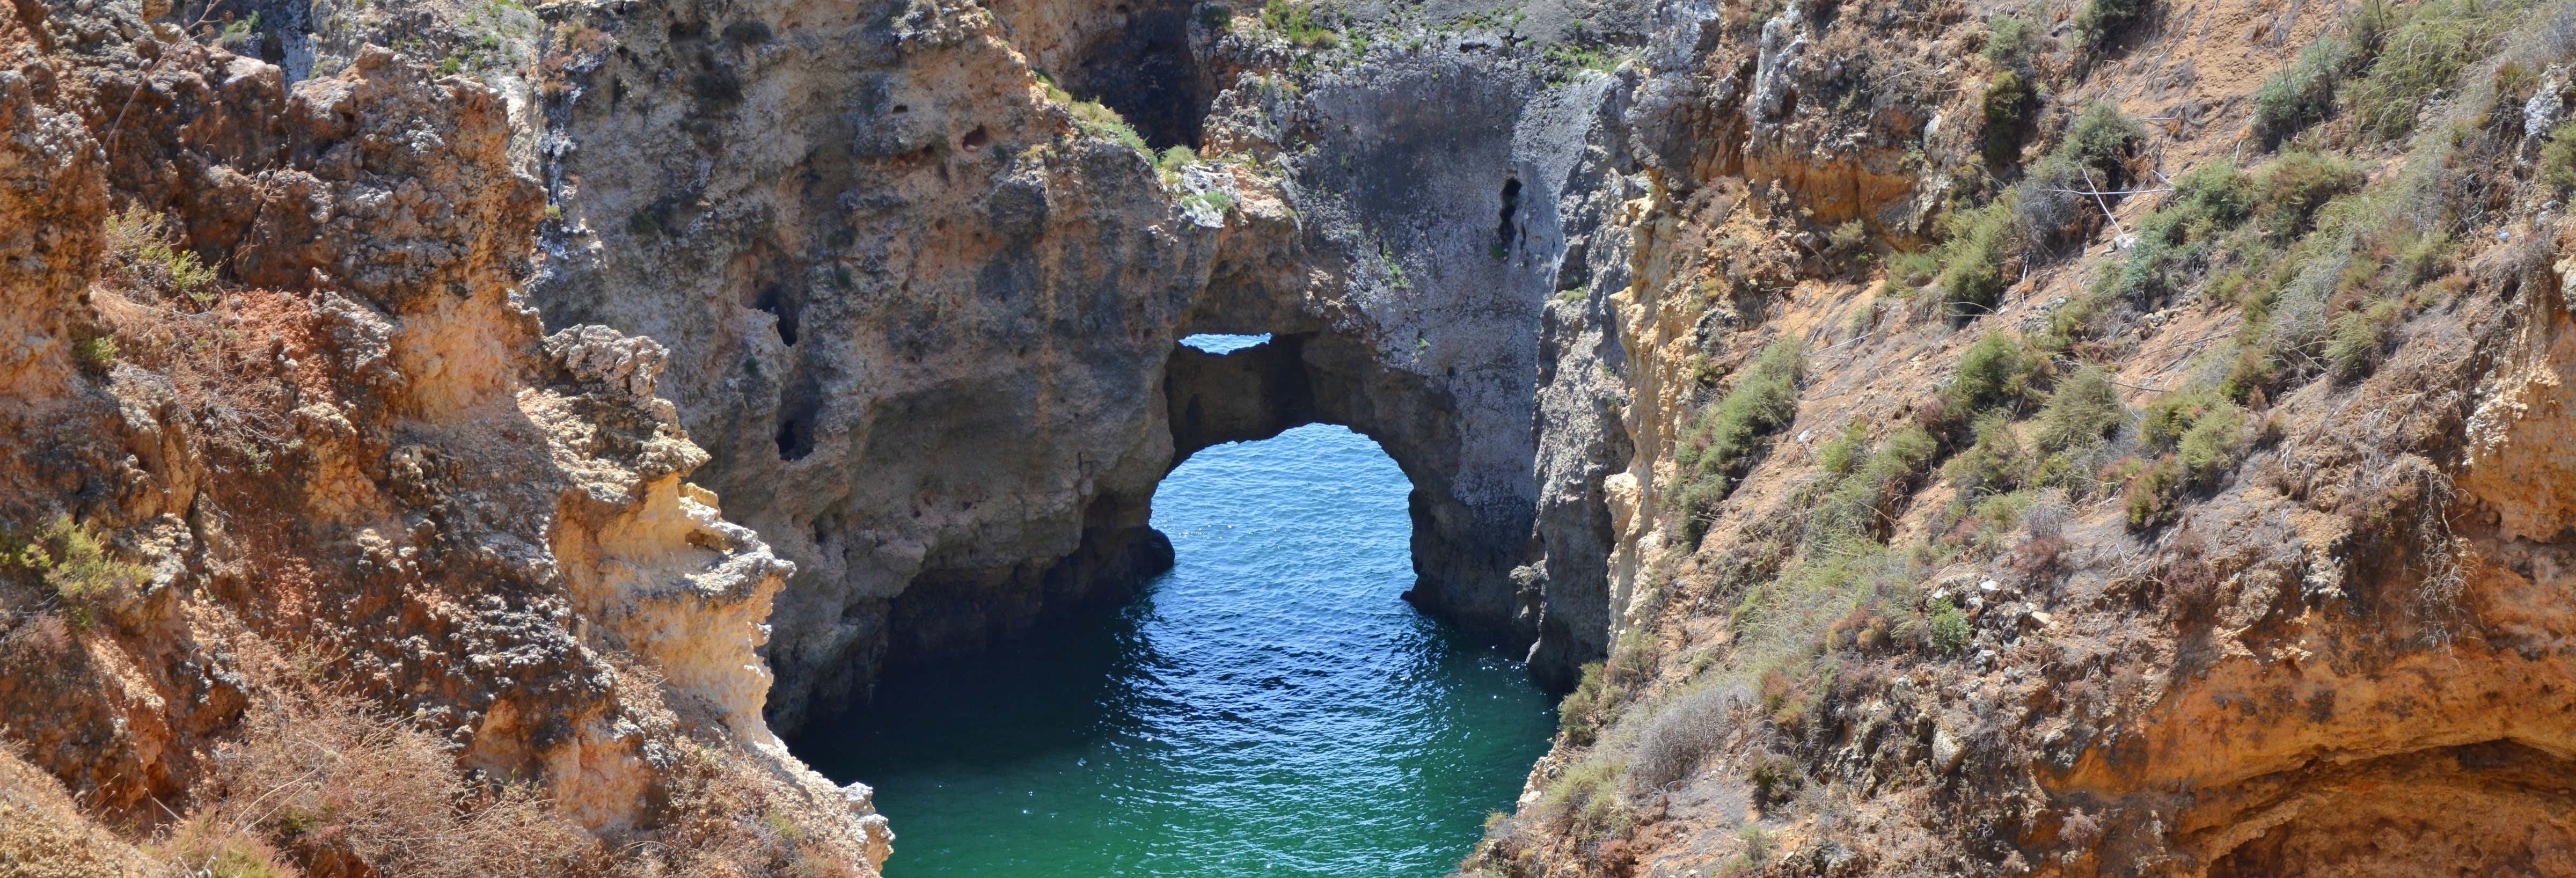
(168, 313)
(1693, 726)
(2081, 830)
(342, 790)
(721, 820)
(44, 835)
(2190, 584)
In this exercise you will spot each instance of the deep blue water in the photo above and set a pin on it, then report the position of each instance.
(1270, 707)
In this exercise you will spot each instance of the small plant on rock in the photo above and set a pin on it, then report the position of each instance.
(80, 569)
(1948, 626)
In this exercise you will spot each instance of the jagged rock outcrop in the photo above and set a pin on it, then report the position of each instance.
(310, 416)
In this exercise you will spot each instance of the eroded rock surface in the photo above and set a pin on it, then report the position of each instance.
(924, 317)
(904, 283)
(280, 400)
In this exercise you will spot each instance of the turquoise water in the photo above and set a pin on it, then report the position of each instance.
(1267, 708)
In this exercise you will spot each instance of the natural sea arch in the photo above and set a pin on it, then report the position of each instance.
(1236, 388)
(1266, 707)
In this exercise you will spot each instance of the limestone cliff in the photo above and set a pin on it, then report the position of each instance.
(949, 296)
(2114, 437)
(294, 465)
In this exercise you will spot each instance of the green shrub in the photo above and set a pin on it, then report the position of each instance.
(237, 36)
(1572, 56)
(2298, 184)
(1219, 203)
(2009, 43)
(2083, 410)
(2153, 497)
(1586, 780)
(2558, 159)
(1588, 792)
(1996, 516)
(77, 565)
(2206, 433)
(2216, 193)
(2104, 20)
(1993, 372)
(1851, 507)
(2154, 268)
(1170, 162)
(1912, 271)
(1994, 463)
(2173, 243)
(1216, 17)
(1972, 257)
(1722, 442)
(2426, 53)
(2174, 413)
(97, 352)
(2255, 366)
(1101, 121)
(143, 252)
(2213, 445)
(1849, 235)
(2008, 103)
(1775, 780)
(1846, 451)
(2102, 140)
(1948, 627)
(2353, 343)
(2073, 321)
(1300, 24)
(2049, 210)
(2303, 93)
(1579, 715)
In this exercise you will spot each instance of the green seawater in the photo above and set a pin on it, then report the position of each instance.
(1269, 707)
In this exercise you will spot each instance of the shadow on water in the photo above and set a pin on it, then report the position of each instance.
(1059, 690)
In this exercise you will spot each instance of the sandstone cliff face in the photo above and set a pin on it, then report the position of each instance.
(349, 444)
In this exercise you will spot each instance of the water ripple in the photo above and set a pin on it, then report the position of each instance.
(1268, 708)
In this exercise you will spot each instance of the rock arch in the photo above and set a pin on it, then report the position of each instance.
(1463, 553)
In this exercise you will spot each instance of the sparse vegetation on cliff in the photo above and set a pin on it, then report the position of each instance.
(2192, 423)
(88, 582)
(1303, 23)
(1726, 436)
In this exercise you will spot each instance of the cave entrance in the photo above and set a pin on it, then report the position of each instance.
(1269, 676)
(1145, 71)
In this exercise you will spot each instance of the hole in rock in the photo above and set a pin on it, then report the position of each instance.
(776, 300)
(976, 139)
(1145, 71)
(1223, 344)
(798, 406)
(1271, 675)
(1508, 233)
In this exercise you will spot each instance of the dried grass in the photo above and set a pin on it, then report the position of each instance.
(168, 313)
(344, 789)
(1685, 733)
